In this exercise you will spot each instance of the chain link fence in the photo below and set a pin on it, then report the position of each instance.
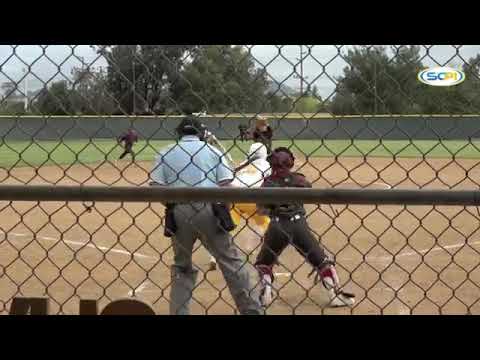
(356, 118)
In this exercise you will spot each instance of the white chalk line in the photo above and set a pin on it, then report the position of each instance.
(378, 183)
(83, 244)
(418, 252)
(366, 183)
(103, 248)
(140, 288)
(284, 274)
(145, 284)
(140, 255)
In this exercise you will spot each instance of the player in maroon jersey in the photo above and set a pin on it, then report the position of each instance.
(129, 138)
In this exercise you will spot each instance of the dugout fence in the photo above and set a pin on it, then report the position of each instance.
(394, 165)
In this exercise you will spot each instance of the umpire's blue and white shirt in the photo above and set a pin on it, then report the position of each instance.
(190, 163)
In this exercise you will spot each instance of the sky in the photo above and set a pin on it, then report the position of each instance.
(321, 64)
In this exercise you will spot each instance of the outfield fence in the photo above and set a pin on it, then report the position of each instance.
(79, 223)
(380, 127)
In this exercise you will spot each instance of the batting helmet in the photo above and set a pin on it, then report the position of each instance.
(260, 121)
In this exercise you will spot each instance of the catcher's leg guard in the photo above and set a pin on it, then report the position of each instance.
(328, 275)
(266, 279)
(274, 242)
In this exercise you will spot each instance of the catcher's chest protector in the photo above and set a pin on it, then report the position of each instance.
(290, 180)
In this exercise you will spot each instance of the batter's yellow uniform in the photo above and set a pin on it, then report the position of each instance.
(252, 177)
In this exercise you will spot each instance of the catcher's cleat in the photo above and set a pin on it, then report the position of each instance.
(266, 281)
(329, 278)
(212, 265)
(339, 298)
(266, 292)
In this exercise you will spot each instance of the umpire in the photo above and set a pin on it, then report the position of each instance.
(193, 163)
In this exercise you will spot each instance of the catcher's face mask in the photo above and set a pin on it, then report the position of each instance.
(281, 159)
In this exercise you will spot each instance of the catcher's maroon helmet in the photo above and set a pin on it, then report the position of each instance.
(281, 158)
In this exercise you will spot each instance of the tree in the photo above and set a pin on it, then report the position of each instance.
(90, 95)
(55, 100)
(12, 108)
(139, 74)
(344, 101)
(222, 79)
(325, 106)
(307, 104)
(393, 83)
(459, 99)
(10, 102)
(470, 88)
(9, 88)
(279, 104)
(374, 83)
(405, 86)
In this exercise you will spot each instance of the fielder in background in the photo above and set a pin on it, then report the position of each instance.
(192, 162)
(288, 226)
(243, 129)
(129, 138)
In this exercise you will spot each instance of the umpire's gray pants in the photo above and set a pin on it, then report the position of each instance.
(197, 221)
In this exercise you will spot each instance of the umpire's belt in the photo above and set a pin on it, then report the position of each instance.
(293, 218)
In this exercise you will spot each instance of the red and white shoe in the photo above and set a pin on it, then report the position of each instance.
(338, 298)
(266, 280)
(266, 294)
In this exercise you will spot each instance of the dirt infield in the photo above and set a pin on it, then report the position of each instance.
(67, 253)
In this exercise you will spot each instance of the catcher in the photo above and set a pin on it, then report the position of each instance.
(128, 138)
(289, 226)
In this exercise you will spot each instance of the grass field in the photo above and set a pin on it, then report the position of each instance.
(25, 153)
(396, 260)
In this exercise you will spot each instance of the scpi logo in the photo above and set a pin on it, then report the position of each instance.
(441, 76)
